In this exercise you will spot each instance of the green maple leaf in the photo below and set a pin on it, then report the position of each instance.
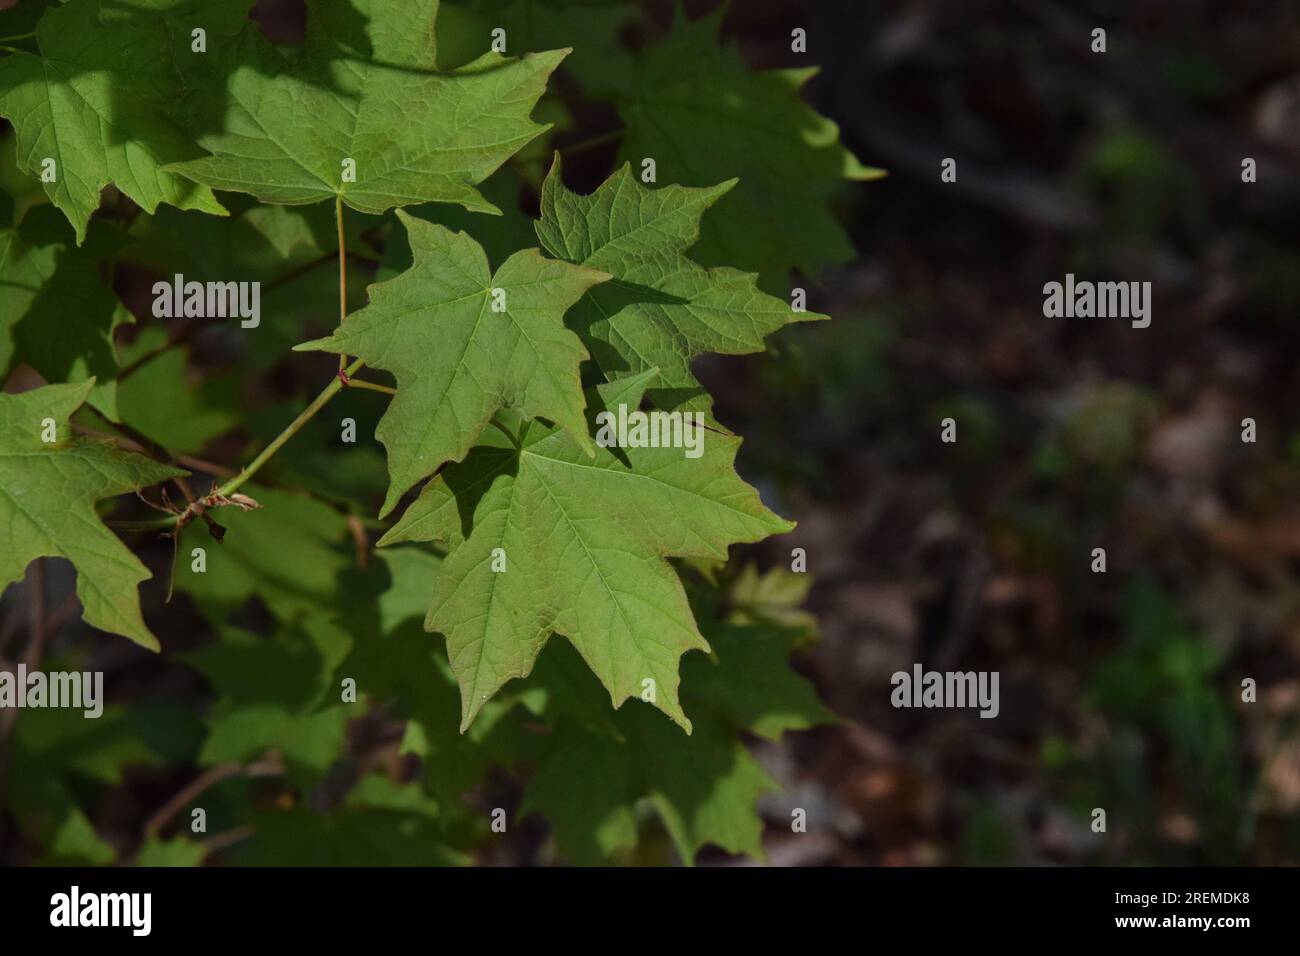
(19, 193)
(289, 553)
(284, 248)
(348, 836)
(661, 310)
(277, 692)
(457, 360)
(310, 743)
(585, 541)
(590, 27)
(703, 115)
(96, 101)
(56, 315)
(193, 412)
(20, 19)
(704, 790)
(773, 597)
(58, 756)
(500, 236)
(47, 493)
(380, 822)
(364, 88)
(600, 765)
(398, 666)
(749, 681)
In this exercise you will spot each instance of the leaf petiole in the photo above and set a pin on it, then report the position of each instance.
(343, 271)
(238, 481)
(372, 386)
(306, 415)
(514, 439)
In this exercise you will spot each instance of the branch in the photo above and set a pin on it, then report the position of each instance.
(223, 495)
(190, 329)
(266, 767)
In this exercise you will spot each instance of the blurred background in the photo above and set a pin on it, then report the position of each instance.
(1120, 690)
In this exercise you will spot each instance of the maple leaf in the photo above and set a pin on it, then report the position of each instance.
(749, 680)
(703, 787)
(57, 751)
(456, 358)
(364, 90)
(96, 100)
(20, 19)
(600, 764)
(47, 490)
(55, 313)
(192, 414)
(590, 27)
(276, 693)
(661, 310)
(703, 115)
(289, 553)
(397, 665)
(282, 247)
(350, 835)
(585, 542)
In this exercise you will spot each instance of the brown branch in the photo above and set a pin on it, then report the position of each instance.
(267, 766)
(187, 332)
(190, 329)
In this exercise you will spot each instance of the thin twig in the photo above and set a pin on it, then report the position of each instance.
(343, 273)
(359, 540)
(372, 386)
(328, 392)
(267, 766)
(209, 778)
(187, 332)
(66, 610)
(190, 329)
(235, 482)
(593, 142)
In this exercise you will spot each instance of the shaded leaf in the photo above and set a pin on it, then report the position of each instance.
(47, 492)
